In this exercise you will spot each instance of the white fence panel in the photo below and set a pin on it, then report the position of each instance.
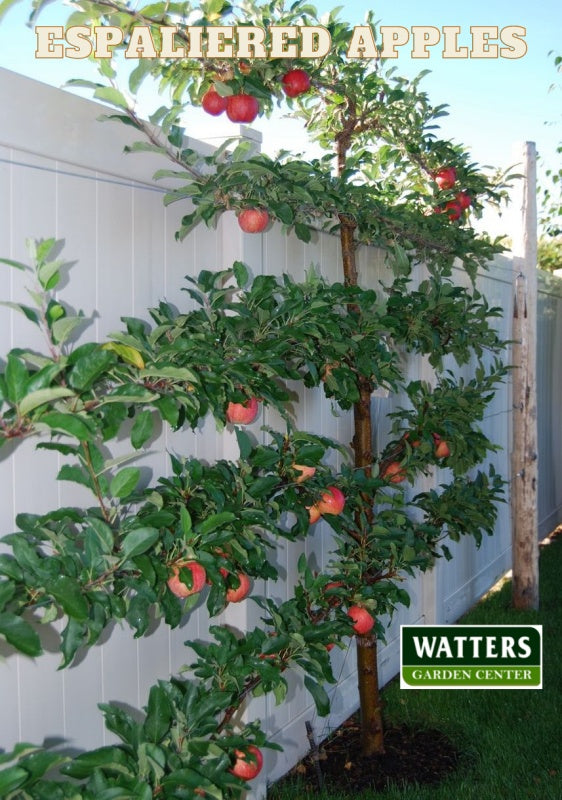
(63, 174)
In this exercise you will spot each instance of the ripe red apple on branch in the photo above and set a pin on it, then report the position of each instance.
(446, 177)
(243, 413)
(242, 108)
(464, 200)
(248, 764)
(313, 514)
(453, 210)
(332, 501)
(213, 103)
(441, 447)
(235, 595)
(363, 621)
(394, 472)
(295, 82)
(198, 578)
(253, 220)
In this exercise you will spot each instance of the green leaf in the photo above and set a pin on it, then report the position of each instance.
(7, 591)
(111, 759)
(68, 593)
(13, 777)
(49, 274)
(168, 409)
(27, 311)
(112, 96)
(90, 367)
(142, 429)
(244, 443)
(16, 377)
(71, 472)
(20, 635)
(215, 521)
(37, 764)
(240, 273)
(124, 482)
(63, 328)
(103, 534)
(72, 424)
(42, 396)
(159, 715)
(8, 261)
(302, 232)
(138, 541)
(137, 614)
(319, 695)
(185, 518)
(73, 637)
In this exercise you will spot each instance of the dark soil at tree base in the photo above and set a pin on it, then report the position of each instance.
(411, 756)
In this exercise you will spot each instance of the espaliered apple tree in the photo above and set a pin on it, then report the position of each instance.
(395, 186)
(145, 552)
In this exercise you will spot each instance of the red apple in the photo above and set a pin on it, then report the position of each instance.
(213, 103)
(414, 443)
(313, 514)
(330, 646)
(198, 578)
(445, 178)
(253, 220)
(295, 82)
(305, 472)
(245, 768)
(333, 599)
(332, 501)
(464, 200)
(394, 472)
(242, 591)
(242, 413)
(363, 621)
(442, 449)
(453, 210)
(242, 108)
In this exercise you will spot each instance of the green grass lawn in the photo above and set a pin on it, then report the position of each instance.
(511, 739)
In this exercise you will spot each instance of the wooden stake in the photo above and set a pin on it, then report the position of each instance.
(524, 460)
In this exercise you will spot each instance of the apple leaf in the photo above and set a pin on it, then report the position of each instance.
(138, 541)
(20, 635)
(68, 593)
(11, 779)
(159, 715)
(124, 482)
(319, 695)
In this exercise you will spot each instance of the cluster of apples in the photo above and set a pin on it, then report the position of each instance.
(199, 579)
(331, 502)
(395, 471)
(445, 179)
(244, 108)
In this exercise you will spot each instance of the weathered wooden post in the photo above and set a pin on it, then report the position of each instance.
(524, 461)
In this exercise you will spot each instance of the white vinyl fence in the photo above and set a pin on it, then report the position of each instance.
(63, 174)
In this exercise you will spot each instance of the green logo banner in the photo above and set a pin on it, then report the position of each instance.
(471, 656)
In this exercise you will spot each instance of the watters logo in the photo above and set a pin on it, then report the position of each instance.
(471, 657)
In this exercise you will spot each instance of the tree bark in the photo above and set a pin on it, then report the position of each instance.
(372, 734)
